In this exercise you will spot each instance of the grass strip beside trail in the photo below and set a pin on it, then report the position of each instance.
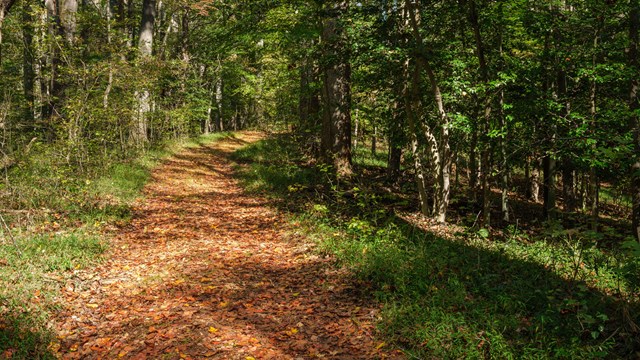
(68, 233)
(451, 292)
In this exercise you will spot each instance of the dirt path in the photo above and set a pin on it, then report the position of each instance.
(206, 271)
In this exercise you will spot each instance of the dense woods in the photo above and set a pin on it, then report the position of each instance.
(500, 117)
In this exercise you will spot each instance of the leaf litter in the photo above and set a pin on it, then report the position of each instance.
(206, 271)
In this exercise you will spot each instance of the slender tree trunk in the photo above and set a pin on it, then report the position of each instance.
(504, 199)
(143, 96)
(374, 141)
(505, 166)
(184, 36)
(51, 87)
(395, 140)
(439, 148)
(219, 123)
(107, 90)
(594, 198)
(394, 162)
(206, 126)
(473, 160)
(568, 182)
(568, 186)
(590, 187)
(309, 98)
(395, 134)
(549, 209)
(634, 24)
(535, 182)
(355, 131)
(549, 187)
(411, 105)
(28, 74)
(421, 179)
(486, 125)
(2, 16)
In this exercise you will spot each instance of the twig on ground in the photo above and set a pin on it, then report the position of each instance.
(7, 230)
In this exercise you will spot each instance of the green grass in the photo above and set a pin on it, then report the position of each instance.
(272, 167)
(553, 296)
(364, 157)
(71, 208)
(614, 196)
(28, 274)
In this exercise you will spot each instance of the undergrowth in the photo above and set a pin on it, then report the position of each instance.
(459, 294)
(56, 218)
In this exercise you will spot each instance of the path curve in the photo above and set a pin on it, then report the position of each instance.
(206, 271)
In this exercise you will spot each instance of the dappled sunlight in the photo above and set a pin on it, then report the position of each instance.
(206, 271)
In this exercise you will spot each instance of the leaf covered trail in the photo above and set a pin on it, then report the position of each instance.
(207, 271)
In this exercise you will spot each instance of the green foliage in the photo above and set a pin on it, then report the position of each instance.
(269, 167)
(64, 235)
(24, 338)
(28, 273)
(463, 296)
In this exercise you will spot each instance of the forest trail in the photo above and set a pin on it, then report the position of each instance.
(206, 271)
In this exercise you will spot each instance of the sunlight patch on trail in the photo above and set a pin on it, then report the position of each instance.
(205, 270)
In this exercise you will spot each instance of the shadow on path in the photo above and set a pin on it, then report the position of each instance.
(206, 271)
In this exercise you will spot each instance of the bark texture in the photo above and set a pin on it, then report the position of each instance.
(336, 122)
(143, 96)
(634, 24)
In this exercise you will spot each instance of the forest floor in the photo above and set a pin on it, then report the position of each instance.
(205, 270)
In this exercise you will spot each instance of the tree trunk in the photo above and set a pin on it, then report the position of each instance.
(568, 186)
(549, 210)
(68, 11)
(504, 199)
(411, 105)
(594, 199)
(5, 6)
(355, 132)
(145, 37)
(634, 24)
(219, 123)
(309, 98)
(2, 16)
(439, 148)
(549, 187)
(534, 185)
(486, 125)
(107, 90)
(28, 75)
(395, 140)
(184, 36)
(143, 96)
(394, 162)
(473, 160)
(51, 86)
(336, 124)
(374, 141)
